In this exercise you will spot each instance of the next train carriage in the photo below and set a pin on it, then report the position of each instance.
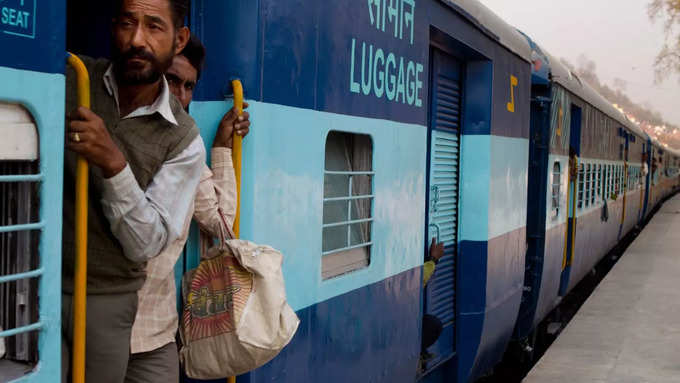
(664, 165)
(588, 186)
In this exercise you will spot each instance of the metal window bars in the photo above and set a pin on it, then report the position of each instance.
(349, 222)
(25, 275)
(581, 171)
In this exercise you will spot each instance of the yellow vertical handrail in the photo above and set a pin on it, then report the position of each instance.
(236, 156)
(237, 152)
(80, 272)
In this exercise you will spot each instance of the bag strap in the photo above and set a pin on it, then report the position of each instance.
(229, 234)
(225, 233)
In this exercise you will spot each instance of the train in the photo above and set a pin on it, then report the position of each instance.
(377, 127)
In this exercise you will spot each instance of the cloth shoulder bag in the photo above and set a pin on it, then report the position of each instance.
(235, 316)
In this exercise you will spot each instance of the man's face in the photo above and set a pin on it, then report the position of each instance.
(145, 41)
(182, 77)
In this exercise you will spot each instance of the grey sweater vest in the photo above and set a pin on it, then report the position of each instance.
(147, 142)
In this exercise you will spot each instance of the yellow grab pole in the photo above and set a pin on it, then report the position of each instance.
(80, 273)
(236, 156)
(236, 153)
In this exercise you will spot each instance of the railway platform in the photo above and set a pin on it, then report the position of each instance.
(629, 328)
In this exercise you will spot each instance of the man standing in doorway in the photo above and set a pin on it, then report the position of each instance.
(154, 353)
(146, 158)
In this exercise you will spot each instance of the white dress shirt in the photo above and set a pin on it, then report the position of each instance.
(144, 222)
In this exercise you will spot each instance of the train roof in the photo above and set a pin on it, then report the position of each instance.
(668, 149)
(565, 77)
(492, 25)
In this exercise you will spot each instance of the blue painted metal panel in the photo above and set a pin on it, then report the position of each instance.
(508, 185)
(32, 35)
(504, 285)
(471, 283)
(234, 48)
(368, 335)
(43, 96)
(301, 53)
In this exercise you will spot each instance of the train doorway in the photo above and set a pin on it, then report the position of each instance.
(573, 196)
(446, 88)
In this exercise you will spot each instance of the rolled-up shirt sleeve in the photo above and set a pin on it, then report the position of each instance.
(144, 222)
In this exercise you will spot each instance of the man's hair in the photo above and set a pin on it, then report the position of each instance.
(194, 51)
(179, 9)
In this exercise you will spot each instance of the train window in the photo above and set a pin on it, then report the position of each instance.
(19, 206)
(615, 175)
(589, 173)
(605, 182)
(622, 173)
(610, 188)
(580, 185)
(593, 182)
(556, 186)
(600, 179)
(633, 178)
(616, 179)
(348, 203)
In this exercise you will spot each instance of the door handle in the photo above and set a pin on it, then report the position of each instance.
(437, 230)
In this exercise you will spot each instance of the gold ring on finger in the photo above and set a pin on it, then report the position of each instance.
(76, 137)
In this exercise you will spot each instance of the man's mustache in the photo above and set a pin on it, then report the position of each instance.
(138, 53)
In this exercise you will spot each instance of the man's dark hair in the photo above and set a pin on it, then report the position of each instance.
(195, 53)
(179, 8)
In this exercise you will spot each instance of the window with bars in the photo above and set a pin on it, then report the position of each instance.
(347, 204)
(600, 181)
(616, 179)
(593, 181)
(605, 183)
(581, 170)
(631, 178)
(556, 186)
(589, 174)
(20, 226)
(622, 177)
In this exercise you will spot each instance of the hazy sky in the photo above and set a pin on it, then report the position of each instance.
(616, 34)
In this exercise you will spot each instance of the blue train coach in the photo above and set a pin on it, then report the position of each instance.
(590, 185)
(421, 109)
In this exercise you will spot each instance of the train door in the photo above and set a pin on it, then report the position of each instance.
(647, 159)
(442, 210)
(570, 235)
(625, 186)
